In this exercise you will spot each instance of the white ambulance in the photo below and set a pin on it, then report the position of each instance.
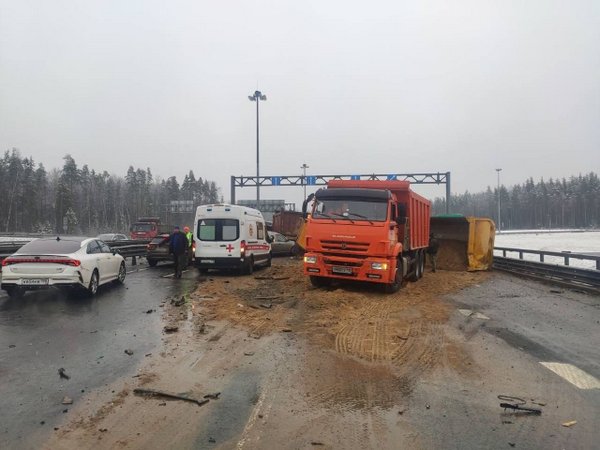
(230, 237)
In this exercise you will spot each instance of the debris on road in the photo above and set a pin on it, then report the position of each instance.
(63, 374)
(520, 408)
(287, 330)
(212, 440)
(12, 346)
(67, 400)
(150, 311)
(568, 424)
(266, 305)
(214, 396)
(171, 328)
(267, 297)
(316, 443)
(129, 351)
(179, 302)
(517, 405)
(248, 353)
(154, 393)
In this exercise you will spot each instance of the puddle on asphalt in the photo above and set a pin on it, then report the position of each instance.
(230, 413)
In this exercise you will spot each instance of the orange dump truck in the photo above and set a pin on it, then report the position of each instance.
(366, 230)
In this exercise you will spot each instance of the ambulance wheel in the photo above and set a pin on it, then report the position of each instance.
(269, 260)
(249, 269)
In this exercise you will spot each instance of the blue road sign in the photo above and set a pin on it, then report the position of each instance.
(311, 180)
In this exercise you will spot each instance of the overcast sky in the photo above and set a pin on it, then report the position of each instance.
(353, 87)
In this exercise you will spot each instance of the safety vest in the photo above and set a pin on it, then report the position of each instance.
(189, 235)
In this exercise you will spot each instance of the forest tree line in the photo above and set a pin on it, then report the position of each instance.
(77, 199)
(564, 203)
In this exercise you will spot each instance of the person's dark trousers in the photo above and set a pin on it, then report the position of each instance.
(180, 263)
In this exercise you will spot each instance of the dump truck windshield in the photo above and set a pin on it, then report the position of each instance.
(351, 209)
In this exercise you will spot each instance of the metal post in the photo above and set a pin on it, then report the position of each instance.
(257, 97)
(448, 193)
(232, 190)
(498, 191)
(257, 159)
(304, 166)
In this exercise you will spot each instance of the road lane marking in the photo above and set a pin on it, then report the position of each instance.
(172, 274)
(573, 375)
(475, 315)
(136, 271)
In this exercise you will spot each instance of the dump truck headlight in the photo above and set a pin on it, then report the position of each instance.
(379, 266)
(310, 259)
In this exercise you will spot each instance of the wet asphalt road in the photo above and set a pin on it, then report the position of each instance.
(45, 331)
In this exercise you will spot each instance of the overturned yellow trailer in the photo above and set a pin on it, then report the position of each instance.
(466, 243)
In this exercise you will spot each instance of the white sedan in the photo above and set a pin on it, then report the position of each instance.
(69, 262)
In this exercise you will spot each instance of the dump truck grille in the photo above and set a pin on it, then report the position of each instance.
(336, 246)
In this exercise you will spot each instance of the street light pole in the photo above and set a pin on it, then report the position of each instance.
(257, 97)
(304, 167)
(498, 191)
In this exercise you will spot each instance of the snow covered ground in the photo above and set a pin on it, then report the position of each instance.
(575, 242)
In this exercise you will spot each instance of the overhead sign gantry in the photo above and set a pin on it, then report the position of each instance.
(321, 180)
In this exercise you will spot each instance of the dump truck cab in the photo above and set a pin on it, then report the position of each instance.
(366, 230)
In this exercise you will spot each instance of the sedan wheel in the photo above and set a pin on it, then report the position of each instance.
(93, 286)
(122, 273)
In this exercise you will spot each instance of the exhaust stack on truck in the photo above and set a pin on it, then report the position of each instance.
(367, 230)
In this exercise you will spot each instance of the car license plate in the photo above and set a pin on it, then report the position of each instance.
(342, 270)
(208, 261)
(34, 281)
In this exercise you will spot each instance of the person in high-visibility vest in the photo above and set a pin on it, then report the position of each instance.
(189, 235)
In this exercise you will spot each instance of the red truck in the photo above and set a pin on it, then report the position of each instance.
(145, 228)
(366, 230)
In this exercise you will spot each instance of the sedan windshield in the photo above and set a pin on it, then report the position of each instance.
(345, 209)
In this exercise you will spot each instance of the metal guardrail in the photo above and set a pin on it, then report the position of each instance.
(567, 256)
(564, 275)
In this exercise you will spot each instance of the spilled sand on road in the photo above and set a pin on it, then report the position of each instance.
(403, 331)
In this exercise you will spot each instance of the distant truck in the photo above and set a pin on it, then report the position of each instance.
(145, 228)
(366, 230)
(288, 223)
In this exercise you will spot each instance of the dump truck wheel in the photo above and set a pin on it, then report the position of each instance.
(422, 263)
(415, 274)
(397, 283)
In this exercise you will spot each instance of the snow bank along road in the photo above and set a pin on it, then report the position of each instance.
(299, 367)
